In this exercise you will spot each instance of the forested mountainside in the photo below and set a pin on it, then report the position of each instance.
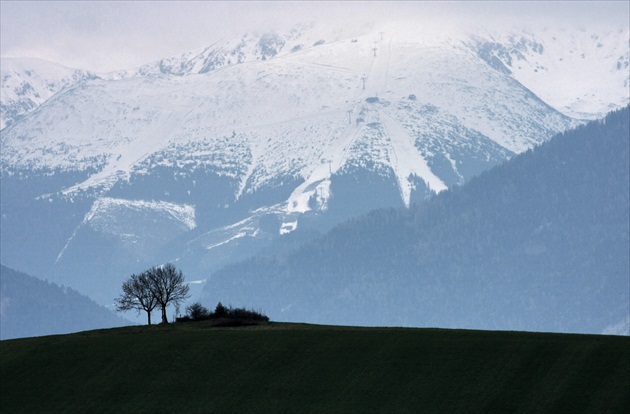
(216, 155)
(33, 307)
(538, 243)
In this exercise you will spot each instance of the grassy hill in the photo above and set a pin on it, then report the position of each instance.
(293, 368)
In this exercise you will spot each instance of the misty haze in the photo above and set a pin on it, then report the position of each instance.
(354, 168)
(286, 207)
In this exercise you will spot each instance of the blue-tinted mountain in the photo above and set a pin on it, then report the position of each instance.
(539, 243)
(212, 156)
(33, 307)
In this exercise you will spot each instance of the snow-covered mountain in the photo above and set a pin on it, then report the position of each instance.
(29, 82)
(236, 144)
(566, 68)
(561, 65)
(538, 243)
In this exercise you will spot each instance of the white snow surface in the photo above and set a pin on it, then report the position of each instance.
(182, 213)
(29, 82)
(104, 208)
(582, 73)
(301, 104)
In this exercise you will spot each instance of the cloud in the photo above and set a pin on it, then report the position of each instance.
(109, 35)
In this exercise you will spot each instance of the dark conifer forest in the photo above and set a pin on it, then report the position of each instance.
(33, 307)
(538, 243)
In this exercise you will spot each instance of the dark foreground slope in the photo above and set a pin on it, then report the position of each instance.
(280, 368)
(33, 307)
(540, 243)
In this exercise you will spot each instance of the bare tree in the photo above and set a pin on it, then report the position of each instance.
(137, 294)
(167, 286)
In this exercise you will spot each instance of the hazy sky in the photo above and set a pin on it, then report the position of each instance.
(108, 35)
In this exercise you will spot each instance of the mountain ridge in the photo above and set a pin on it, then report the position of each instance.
(32, 307)
(537, 243)
(299, 140)
(506, 52)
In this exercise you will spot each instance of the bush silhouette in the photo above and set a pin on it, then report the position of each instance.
(223, 316)
(197, 311)
(220, 311)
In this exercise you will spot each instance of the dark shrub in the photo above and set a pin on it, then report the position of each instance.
(196, 311)
(223, 316)
(220, 311)
(242, 315)
(183, 319)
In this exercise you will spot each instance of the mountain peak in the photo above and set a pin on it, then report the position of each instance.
(296, 129)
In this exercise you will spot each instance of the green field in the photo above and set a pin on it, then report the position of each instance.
(293, 368)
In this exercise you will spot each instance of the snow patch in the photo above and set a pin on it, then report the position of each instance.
(182, 213)
(288, 227)
(236, 236)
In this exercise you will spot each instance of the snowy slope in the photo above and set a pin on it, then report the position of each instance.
(315, 96)
(582, 73)
(250, 47)
(184, 158)
(27, 83)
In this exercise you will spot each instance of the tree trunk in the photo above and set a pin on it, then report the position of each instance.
(149, 317)
(164, 320)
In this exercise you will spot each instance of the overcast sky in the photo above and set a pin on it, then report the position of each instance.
(109, 35)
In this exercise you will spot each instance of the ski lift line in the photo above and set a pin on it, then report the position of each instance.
(389, 54)
(404, 196)
(348, 135)
(336, 152)
(386, 130)
(420, 164)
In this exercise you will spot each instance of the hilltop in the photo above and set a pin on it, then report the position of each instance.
(297, 368)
